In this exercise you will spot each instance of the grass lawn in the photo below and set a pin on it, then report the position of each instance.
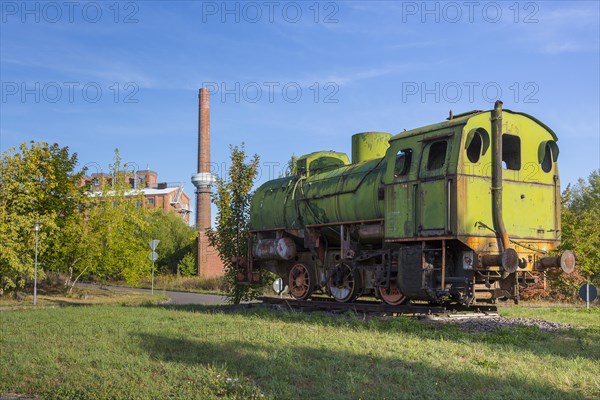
(155, 351)
(80, 297)
(192, 284)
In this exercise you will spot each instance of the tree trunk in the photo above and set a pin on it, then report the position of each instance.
(69, 277)
(76, 279)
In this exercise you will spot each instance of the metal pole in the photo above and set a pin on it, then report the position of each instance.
(587, 296)
(152, 276)
(36, 228)
(135, 171)
(545, 282)
(498, 219)
(98, 168)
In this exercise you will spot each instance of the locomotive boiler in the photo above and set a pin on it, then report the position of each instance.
(460, 211)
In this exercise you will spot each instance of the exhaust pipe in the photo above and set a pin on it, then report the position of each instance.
(497, 177)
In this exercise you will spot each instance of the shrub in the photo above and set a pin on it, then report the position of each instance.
(187, 265)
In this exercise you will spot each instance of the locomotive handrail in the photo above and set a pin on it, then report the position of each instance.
(511, 240)
(360, 221)
(436, 137)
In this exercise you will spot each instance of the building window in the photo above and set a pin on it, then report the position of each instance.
(150, 201)
(511, 152)
(437, 155)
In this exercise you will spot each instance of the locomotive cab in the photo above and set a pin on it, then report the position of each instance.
(439, 193)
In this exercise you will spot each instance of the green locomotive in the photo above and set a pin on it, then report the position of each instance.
(463, 210)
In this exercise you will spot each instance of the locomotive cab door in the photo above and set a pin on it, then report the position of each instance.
(400, 193)
(434, 187)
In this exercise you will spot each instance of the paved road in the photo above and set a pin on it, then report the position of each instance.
(175, 297)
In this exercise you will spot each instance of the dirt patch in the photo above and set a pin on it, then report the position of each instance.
(14, 396)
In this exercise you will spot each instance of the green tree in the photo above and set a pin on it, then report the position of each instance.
(187, 265)
(106, 238)
(81, 234)
(230, 237)
(581, 224)
(78, 250)
(290, 169)
(176, 238)
(37, 183)
(116, 224)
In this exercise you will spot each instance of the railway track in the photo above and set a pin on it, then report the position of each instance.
(378, 308)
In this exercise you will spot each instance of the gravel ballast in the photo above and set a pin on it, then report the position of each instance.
(492, 323)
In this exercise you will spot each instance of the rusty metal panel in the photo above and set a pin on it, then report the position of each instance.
(275, 249)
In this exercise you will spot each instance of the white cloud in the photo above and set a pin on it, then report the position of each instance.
(565, 47)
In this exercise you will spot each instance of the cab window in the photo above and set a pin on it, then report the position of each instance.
(547, 161)
(511, 152)
(403, 161)
(437, 155)
(475, 147)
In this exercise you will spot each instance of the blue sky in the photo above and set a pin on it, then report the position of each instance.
(298, 76)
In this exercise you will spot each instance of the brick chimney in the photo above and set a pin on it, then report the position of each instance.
(203, 180)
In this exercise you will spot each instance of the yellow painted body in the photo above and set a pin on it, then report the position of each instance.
(529, 196)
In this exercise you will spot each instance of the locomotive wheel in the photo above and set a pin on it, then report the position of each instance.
(392, 296)
(344, 283)
(301, 281)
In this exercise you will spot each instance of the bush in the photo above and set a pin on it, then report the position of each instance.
(230, 238)
(187, 265)
(559, 287)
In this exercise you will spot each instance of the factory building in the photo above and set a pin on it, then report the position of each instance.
(163, 195)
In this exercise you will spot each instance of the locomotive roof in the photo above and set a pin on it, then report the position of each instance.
(462, 119)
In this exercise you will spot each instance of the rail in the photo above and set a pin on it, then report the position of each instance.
(374, 307)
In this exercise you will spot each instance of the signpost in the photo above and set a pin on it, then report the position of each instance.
(588, 293)
(153, 256)
(36, 228)
(279, 287)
